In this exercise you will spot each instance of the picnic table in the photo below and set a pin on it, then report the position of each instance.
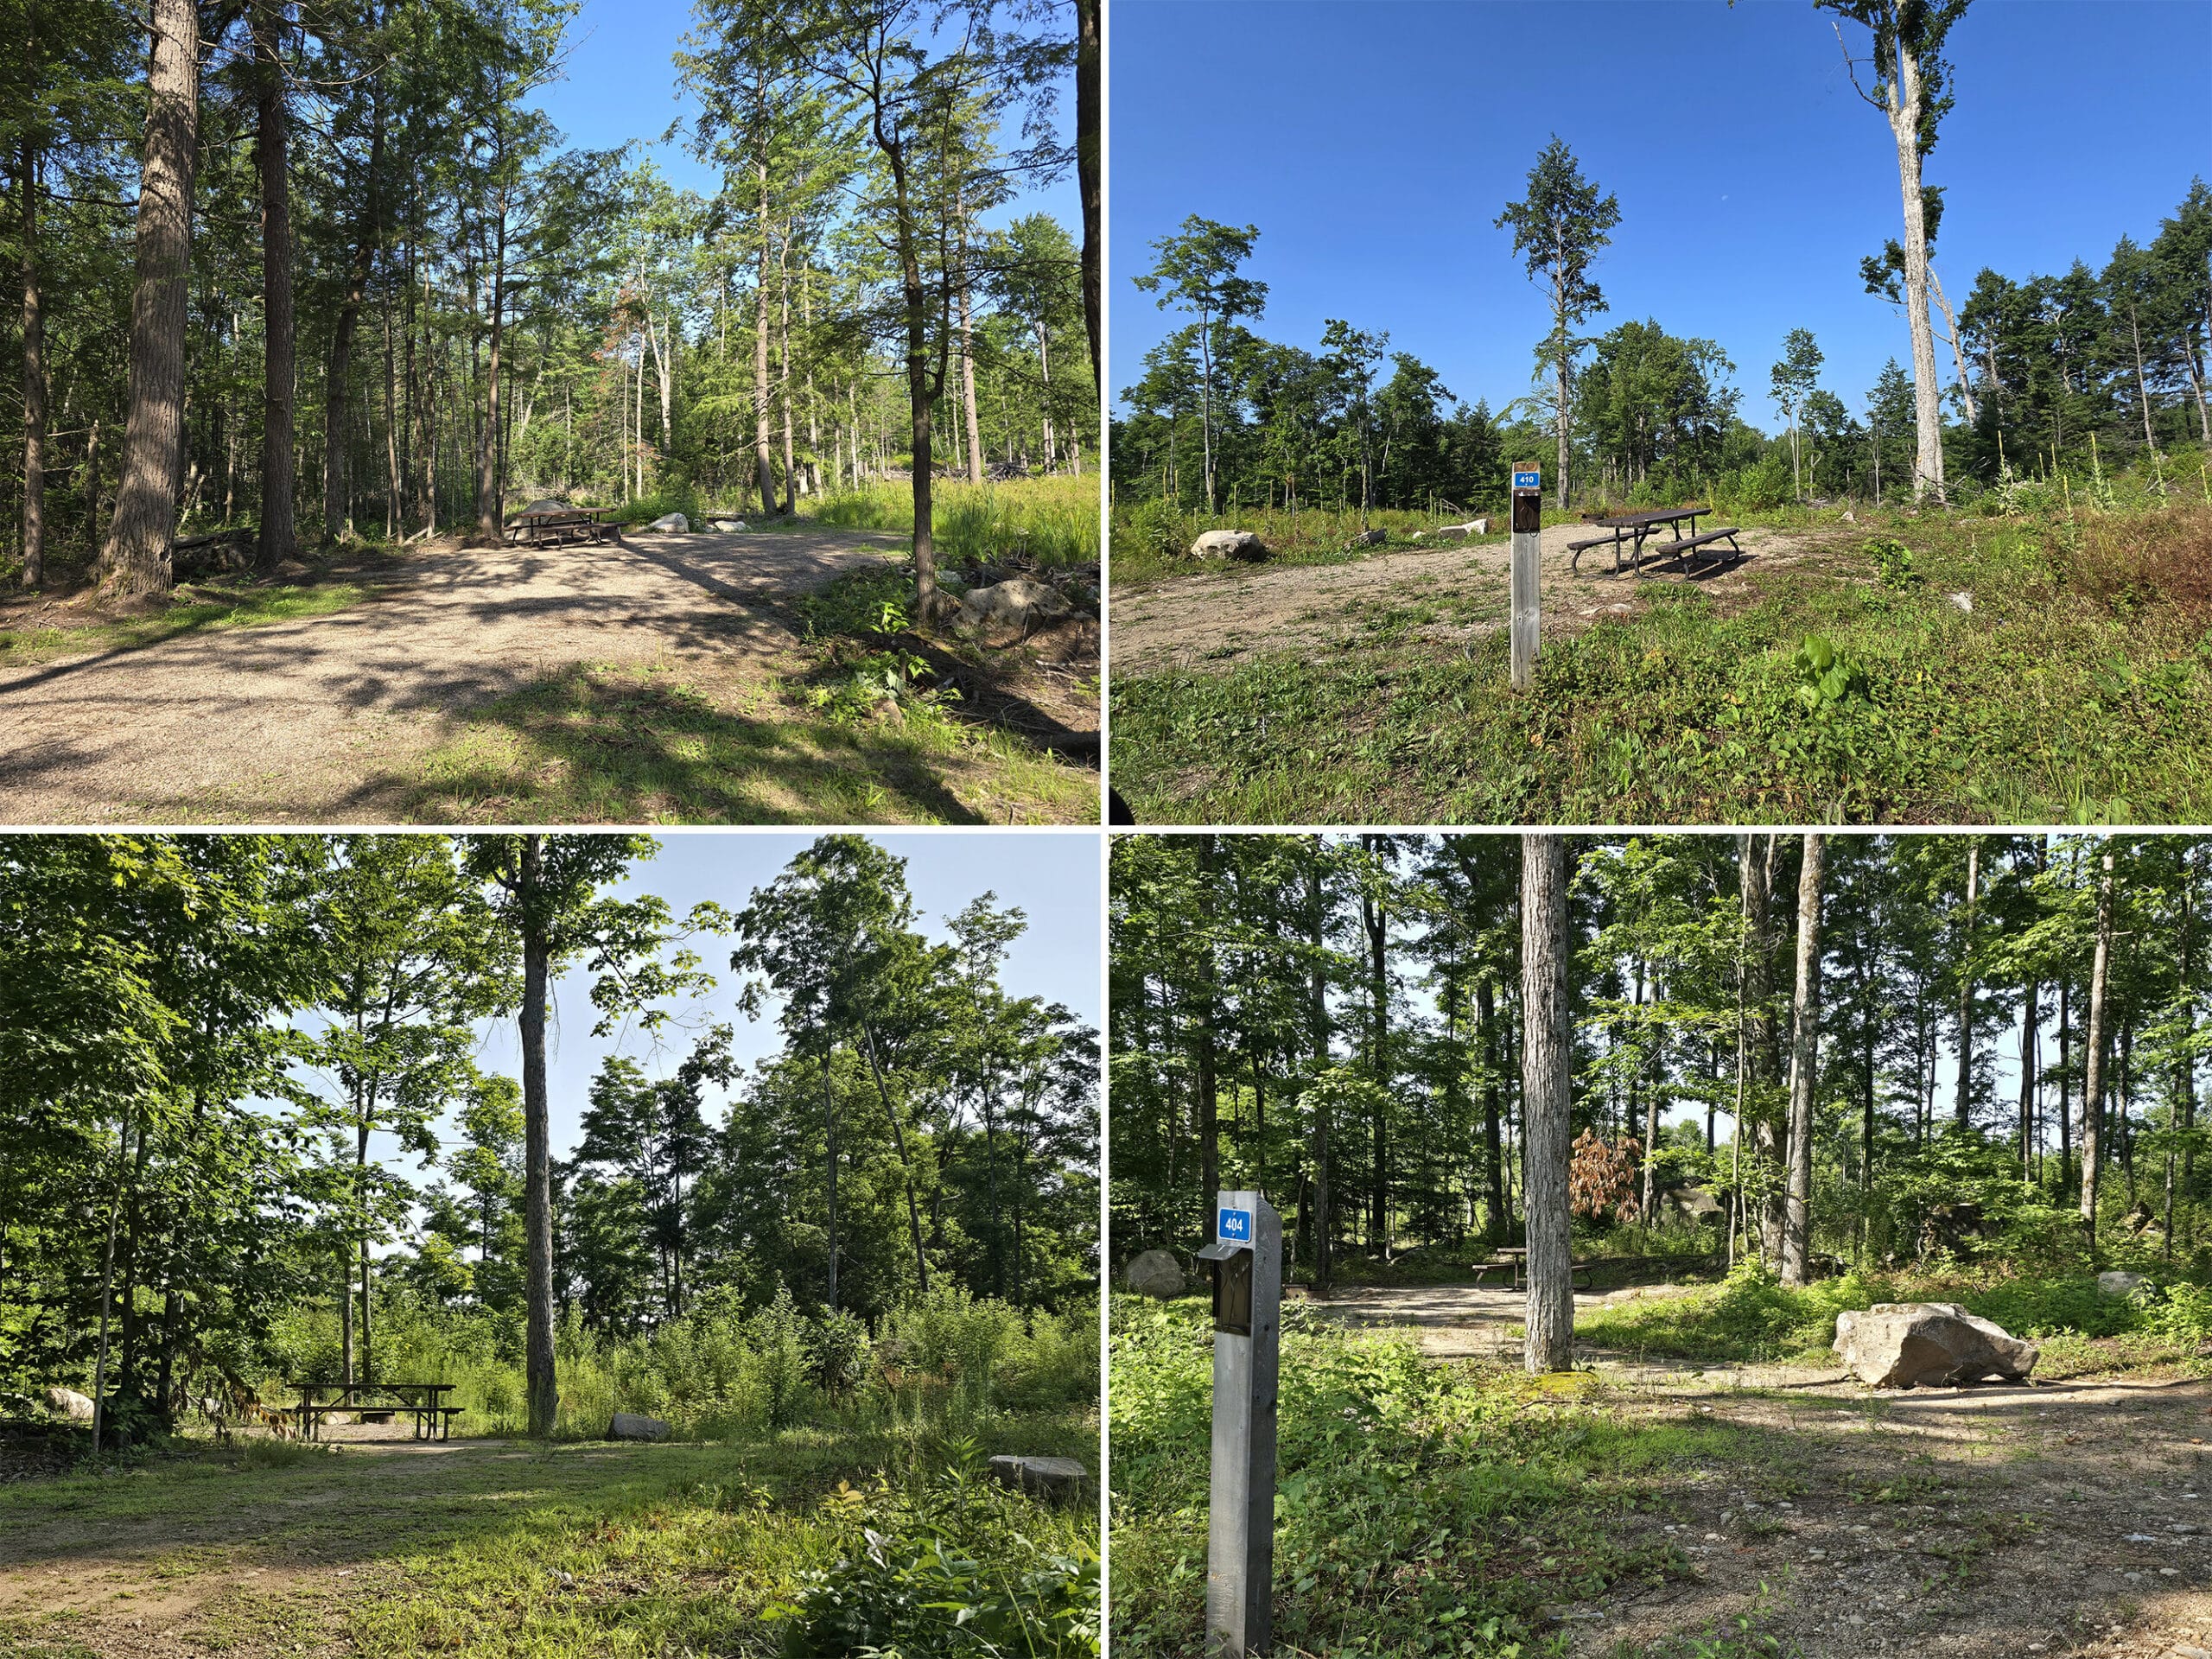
(534, 526)
(1630, 533)
(424, 1401)
(1513, 1259)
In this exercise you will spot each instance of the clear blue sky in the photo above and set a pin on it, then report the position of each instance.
(622, 84)
(1374, 145)
(1053, 877)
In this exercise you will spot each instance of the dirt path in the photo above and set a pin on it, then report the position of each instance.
(2069, 1518)
(1211, 622)
(307, 721)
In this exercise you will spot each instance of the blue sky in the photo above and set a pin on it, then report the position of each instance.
(622, 84)
(1053, 876)
(1374, 145)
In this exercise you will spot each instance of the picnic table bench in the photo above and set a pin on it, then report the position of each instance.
(424, 1401)
(1630, 533)
(557, 526)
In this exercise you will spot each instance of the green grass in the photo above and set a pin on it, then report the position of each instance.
(2077, 689)
(1054, 520)
(578, 1550)
(1420, 1508)
(1151, 541)
(1750, 1319)
(206, 607)
(651, 745)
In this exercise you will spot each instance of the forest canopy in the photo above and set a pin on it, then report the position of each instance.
(246, 1127)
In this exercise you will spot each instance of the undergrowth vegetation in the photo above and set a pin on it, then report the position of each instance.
(723, 1373)
(1752, 1318)
(1053, 520)
(1420, 1508)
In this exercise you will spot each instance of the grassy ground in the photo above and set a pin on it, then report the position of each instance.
(1853, 686)
(1054, 520)
(1466, 1508)
(31, 635)
(501, 1549)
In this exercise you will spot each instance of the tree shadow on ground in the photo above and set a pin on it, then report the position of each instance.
(585, 745)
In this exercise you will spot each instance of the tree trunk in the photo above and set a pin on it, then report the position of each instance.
(1804, 1058)
(1500, 1223)
(1904, 112)
(337, 456)
(764, 478)
(1962, 1108)
(784, 367)
(2093, 1084)
(1546, 1093)
(1317, 1018)
(272, 153)
(1377, 926)
(922, 390)
(2029, 1019)
(107, 1280)
(1754, 876)
(136, 559)
(1208, 1116)
(1089, 107)
(830, 1132)
(967, 367)
(538, 1149)
(491, 491)
(906, 1164)
(34, 347)
(1951, 333)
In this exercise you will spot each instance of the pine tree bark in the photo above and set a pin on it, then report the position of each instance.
(135, 559)
(1546, 1093)
(1317, 1019)
(272, 154)
(967, 366)
(1088, 106)
(1207, 1113)
(764, 473)
(2093, 1084)
(1804, 1058)
(34, 349)
(490, 487)
(1963, 1108)
(1755, 876)
(337, 454)
(541, 1385)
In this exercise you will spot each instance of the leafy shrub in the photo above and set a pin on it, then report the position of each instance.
(837, 1351)
(946, 1570)
(1892, 562)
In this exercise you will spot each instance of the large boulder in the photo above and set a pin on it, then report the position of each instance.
(546, 504)
(68, 1402)
(1229, 544)
(2116, 1284)
(1154, 1273)
(671, 521)
(1370, 538)
(726, 526)
(1017, 606)
(1058, 1480)
(628, 1426)
(1928, 1345)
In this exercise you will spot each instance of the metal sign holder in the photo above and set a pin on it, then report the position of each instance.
(1527, 525)
(1247, 1257)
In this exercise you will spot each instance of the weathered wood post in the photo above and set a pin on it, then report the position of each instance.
(1528, 523)
(1247, 1255)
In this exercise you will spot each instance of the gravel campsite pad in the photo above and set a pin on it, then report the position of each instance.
(2071, 1517)
(1214, 620)
(314, 720)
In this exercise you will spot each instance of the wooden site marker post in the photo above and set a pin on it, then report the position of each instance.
(1528, 523)
(1247, 1257)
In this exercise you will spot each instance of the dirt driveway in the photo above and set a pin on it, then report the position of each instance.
(1214, 621)
(305, 722)
(2070, 1517)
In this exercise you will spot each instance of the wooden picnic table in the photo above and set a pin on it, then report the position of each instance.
(1631, 532)
(424, 1401)
(1515, 1259)
(534, 525)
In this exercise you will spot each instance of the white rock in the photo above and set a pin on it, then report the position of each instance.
(729, 526)
(1053, 1477)
(628, 1426)
(2117, 1284)
(1229, 544)
(1016, 603)
(675, 522)
(1963, 600)
(1154, 1273)
(68, 1402)
(1924, 1344)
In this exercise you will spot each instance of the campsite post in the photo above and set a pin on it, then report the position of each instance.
(1528, 522)
(1247, 1257)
